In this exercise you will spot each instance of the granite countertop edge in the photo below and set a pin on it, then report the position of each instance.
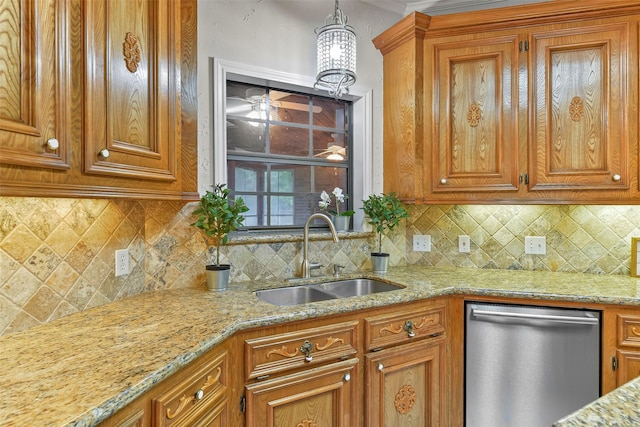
(122, 327)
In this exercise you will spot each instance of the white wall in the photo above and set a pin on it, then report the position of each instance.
(278, 35)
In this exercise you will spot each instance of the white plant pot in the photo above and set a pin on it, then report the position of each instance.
(379, 262)
(218, 277)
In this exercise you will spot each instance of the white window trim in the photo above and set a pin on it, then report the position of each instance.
(362, 127)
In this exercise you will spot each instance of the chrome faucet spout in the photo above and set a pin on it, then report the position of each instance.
(305, 270)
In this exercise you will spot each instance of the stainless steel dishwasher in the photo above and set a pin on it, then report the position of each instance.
(529, 366)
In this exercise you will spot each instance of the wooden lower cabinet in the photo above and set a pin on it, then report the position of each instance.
(324, 396)
(405, 385)
(627, 359)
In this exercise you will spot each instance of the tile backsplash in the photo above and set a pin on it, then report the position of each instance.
(57, 255)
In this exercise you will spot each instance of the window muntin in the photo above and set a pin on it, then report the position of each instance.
(278, 148)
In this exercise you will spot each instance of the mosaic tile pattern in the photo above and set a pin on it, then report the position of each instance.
(57, 255)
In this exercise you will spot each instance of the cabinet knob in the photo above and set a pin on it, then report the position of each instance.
(104, 153)
(347, 377)
(616, 178)
(380, 367)
(198, 395)
(443, 181)
(53, 144)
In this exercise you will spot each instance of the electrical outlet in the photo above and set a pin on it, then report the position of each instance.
(464, 244)
(122, 262)
(535, 245)
(421, 243)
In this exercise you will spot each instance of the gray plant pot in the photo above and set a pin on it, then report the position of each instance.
(379, 262)
(341, 223)
(218, 277)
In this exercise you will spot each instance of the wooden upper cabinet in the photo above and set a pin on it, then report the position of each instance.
(475, 110)
(580, 106)
(535, 104)
(98, 98)
(131, 104)
(34, 84)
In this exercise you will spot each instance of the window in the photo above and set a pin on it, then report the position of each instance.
(212, 153)
(284, 148)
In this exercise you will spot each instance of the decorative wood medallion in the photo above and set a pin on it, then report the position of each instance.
(307, 423)
(405, 399)
(131, 51)
(330, 341)
(282, 352)
(576, 109)
(635, 331)
(474, 114)
(185, 400)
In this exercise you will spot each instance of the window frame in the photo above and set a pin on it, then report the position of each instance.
(361, 122)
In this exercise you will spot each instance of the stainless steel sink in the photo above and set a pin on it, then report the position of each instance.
(304, 294)
(356, 287)
(293, 295)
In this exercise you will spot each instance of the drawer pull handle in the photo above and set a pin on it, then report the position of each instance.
(616, 178)
(197, 396)
(347, 377)
(635, 331)
(408, 327)
(104, 153)
(443, 181)
(306, 349)
(380, 367)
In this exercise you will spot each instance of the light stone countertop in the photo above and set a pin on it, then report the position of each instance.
(78, 370)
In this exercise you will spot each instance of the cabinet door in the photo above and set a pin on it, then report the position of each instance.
(325, 396)
(34, 84)
(475, 129)
(131, 102)
(405, 386)
(579, 107)
(628, 366)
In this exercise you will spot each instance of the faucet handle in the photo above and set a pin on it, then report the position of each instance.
(336, 269)
(315, 266)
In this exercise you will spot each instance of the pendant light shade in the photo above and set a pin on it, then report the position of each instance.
(336, 54)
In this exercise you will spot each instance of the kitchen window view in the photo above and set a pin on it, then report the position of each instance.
(283, 149)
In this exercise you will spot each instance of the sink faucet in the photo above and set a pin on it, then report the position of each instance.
(305, 270)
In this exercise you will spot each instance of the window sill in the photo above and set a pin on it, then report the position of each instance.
(270, 236)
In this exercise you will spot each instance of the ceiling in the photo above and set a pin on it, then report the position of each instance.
(443, 7)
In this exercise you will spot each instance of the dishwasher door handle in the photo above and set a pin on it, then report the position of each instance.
(574, 320)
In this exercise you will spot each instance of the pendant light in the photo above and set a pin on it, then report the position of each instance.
(336, 54)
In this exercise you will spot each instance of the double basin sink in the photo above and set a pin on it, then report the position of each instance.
(303, 294)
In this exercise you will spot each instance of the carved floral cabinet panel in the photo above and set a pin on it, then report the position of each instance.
(131, 102)
(405, 385)
(476, 108)
(323, 396)
(579, 99)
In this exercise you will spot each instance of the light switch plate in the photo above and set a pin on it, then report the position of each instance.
(421, 243)
(535, 245)
(464, 244)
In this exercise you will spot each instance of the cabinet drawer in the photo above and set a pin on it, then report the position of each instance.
(391, 329)
(277, 353)
(628, 330)
(193, 397)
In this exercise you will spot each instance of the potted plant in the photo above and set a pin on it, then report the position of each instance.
(342, 219)
(384, 213)
(217, 216)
